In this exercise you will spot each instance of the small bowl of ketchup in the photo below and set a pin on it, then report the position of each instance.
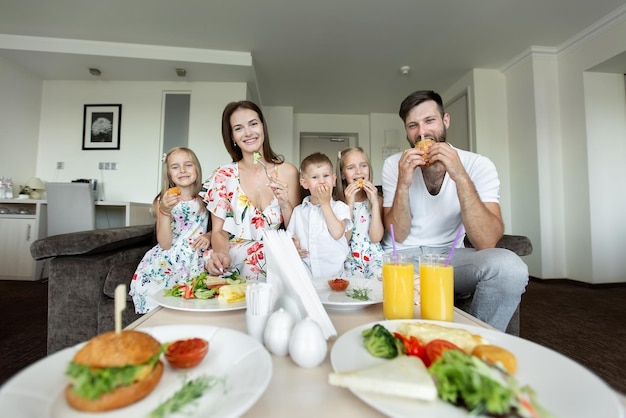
(338, 284)
(183, 354)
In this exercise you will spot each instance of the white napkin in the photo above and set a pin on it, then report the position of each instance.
(260, 299)
(292, 281)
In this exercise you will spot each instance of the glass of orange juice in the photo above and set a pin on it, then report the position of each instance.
(436, 288)
(398, 283)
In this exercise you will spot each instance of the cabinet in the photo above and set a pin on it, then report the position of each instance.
(19, 228)
(16, 235)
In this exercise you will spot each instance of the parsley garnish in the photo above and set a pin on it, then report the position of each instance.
(191, 390)
(360, 294)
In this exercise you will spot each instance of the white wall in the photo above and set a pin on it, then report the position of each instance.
(605, 107)
(585, 221)
(137, 177)
(20, 105)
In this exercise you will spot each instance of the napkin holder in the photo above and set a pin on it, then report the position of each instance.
(292, 281)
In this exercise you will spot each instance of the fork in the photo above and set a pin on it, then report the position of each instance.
(258, 159)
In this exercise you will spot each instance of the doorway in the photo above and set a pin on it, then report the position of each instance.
(326, 143)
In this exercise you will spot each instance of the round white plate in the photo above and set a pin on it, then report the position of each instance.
(563, 387)
(196, 305)
(339, 301)
(246, 365)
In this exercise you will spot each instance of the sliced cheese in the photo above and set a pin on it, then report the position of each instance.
(404, 376)
(425, 333)
(232, 293)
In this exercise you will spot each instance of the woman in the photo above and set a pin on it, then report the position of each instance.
(249, 195)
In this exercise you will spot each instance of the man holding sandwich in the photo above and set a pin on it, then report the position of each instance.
(429, 195)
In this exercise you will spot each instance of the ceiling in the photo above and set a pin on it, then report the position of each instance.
(318, 56)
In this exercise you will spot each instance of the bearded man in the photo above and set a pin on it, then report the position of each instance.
(430, 196)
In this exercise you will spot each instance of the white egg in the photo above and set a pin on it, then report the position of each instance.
(307, 346)
(278, 332)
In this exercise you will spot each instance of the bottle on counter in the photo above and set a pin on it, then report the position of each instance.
(8, 193)
(2, 188)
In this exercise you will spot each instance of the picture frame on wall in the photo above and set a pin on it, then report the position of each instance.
(101, 126)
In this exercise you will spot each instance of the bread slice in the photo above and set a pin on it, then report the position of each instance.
(404, 376)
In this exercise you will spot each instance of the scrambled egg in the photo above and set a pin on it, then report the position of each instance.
(232, 293)
(428, 332)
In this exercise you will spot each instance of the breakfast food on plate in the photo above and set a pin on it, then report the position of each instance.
(424, 145)
(184, 354)
(114, 370)
(203, 286)
(173, 190)
(338, 284)
(496, 355)
(404, 376)
(425, 333)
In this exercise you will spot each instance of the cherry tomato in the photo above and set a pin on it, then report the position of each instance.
(338, 284)
(435, 348)
(184, 354)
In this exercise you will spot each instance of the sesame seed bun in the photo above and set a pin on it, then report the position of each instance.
(117, 350)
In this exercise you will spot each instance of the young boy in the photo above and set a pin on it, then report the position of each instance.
(321, 226)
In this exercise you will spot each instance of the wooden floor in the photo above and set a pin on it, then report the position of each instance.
(584, 323)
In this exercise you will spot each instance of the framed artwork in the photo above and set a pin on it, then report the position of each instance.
(101, 127)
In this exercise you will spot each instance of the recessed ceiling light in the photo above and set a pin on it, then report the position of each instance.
(95, 72)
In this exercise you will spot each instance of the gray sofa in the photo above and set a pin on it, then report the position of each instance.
(521, 246)
(84, 268)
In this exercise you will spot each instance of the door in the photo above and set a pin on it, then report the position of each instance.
(329, 144)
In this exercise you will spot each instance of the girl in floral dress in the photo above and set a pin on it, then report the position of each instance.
(181, 228)
(247, 196)
(354, 187)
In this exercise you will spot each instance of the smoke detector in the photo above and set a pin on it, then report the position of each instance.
(405, 69)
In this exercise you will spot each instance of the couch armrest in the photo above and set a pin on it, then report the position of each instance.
(519, 244)
(92, 242)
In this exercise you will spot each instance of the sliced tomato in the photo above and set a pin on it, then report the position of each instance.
(412, 346)
(187, 291)
(435, 348)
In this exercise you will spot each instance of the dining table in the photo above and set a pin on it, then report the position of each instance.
(295, 391)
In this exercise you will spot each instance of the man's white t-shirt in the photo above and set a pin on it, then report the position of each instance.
(436, 219)
(326, 254)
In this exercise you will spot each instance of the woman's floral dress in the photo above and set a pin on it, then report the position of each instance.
(160, 269)
(244, 223)
(365, 258)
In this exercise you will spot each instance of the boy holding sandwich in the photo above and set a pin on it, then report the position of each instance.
(320, 226)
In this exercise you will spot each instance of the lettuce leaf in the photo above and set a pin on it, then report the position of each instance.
(467, 381)
(92, 383)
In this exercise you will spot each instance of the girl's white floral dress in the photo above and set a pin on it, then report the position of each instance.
(365, 258)
(160, 269)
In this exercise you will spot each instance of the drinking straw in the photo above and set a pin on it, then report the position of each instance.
(393, 243)
(456, 240)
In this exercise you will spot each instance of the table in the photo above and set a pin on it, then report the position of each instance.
(294, 391)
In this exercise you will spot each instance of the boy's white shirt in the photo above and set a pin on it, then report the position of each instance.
(326, 255)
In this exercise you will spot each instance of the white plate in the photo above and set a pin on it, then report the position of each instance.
(563, 387)
(37, 391)
(338, 301)
(196, 305)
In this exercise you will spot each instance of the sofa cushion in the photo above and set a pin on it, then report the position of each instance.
(121, 273)
(92, 242)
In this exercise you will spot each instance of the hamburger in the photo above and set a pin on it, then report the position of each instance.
(424, 145)
(114, 370)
